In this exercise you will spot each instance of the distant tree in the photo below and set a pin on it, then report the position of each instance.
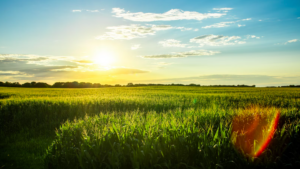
(7, 84)
(117, 85)
(16, 84)
(41, 84)
(129, 84)
(107, 85)
(192, 84)
(26, 84)
(33, 84)
(58, 84)
(1, 84)
(96, 85)
(75, 84)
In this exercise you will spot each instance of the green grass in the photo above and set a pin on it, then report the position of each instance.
(140, 127)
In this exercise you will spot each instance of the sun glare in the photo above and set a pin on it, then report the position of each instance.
(104, 58)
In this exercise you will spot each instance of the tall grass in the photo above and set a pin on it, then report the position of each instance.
(142, 127)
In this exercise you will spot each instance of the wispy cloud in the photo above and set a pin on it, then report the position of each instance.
(247, 19)
(14, 73)
(171, 15)
(162, 65)
(125, 71)
(253, 37)
(135, 47)
(34, 59)
(133, 31)
(182, 54)
(216, 40)
(222, 9)
(218, 25)
(298, 18)
(71, 64)
(292, 41)
(225, 24)
(172, 43)
(76, 10)
(92, 10)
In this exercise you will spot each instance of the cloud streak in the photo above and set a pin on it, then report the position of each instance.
(216, 40)
(182, 54)
(135, 47)
(172, 43)
(128, 32)
(14, 73)
(292, 41)
(218, 25)
(222, 9)
(171, 15)
(92, 10)
(226, 24)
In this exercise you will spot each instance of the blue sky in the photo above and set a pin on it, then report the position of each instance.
(110, 42)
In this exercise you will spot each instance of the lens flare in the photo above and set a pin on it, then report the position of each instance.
(252, 133)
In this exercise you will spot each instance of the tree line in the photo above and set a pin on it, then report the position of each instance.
(76, 84)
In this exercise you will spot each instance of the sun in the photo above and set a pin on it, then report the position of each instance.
(104, 58)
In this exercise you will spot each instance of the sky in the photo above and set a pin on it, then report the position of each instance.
(212, 42)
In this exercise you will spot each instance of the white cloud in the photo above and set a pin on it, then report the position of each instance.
(162, 65)
(225, 24)
(133, 31)
(260, 20)
(253, 37)
(135, 47)
(218, 25)
(171, 15)
(182, 54)
(196, 30)
(76, 10)
(92, 10)
(14, 73)
(294, 40)
(172, 43)
(298, 18)
(248, 19)
(39, 59)
(291, 41)
(216, 40)
(222, 9)
(183, 28)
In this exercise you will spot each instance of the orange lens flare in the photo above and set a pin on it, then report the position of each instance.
(251, 134)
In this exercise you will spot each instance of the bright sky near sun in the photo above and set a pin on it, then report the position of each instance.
(116, 42)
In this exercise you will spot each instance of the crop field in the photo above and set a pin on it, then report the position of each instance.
(149, 127)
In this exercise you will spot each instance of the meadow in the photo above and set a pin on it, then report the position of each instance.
(143, 127)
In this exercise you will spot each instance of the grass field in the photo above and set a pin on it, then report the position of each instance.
(143, 127)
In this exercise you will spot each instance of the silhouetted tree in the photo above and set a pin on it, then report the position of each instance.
(26, 84)
(33, 84)
(58, 84)
(41, 84)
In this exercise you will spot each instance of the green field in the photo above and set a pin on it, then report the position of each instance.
(142, 127)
